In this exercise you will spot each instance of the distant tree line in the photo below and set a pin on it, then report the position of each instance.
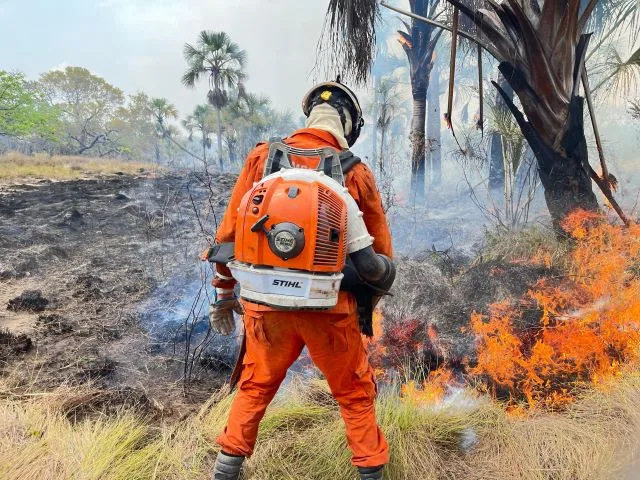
(75, 112)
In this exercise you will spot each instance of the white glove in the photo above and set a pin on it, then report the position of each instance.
(221, 312)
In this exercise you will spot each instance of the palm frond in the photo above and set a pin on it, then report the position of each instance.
(192, 54)
(621, 77)
(348, 42)
(190, 77)
(634, 108)
(209, 40)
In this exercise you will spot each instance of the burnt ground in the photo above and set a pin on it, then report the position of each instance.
(100, 282)
(80, 264)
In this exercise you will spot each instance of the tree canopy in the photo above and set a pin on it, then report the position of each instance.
(23, 111)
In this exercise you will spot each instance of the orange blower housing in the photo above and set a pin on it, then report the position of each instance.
(292, 224)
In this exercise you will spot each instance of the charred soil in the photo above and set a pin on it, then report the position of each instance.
(77, 259)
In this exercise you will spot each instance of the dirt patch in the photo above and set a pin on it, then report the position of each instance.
(28, 301)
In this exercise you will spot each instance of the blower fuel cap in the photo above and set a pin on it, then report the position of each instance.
(286, 240)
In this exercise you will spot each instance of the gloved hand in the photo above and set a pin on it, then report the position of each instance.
(221, 312)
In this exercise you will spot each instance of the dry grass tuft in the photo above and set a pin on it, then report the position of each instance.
(302, 438)
(538, 244)
(14, 166)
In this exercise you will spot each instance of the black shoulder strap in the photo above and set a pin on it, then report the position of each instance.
(348, 160)
(327, 167)
(275, 165)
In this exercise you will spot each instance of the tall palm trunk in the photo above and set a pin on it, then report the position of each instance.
(219, 134)
(233, 155)
(419, 43)
(434, 131)
(374, 138)
(157, 151)
(418, 157)
(496, 158)
(383, 137)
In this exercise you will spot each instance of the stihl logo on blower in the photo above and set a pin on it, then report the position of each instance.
(286, 283)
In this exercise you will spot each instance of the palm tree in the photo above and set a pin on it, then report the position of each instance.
(386, 106)
(541, 49)
(161, 111)
(222, 60)
(386, 62)
(419, 42)
(201, 121)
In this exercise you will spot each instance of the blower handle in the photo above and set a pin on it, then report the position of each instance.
(259, 225)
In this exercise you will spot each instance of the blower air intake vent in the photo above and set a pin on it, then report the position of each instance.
(331, 232)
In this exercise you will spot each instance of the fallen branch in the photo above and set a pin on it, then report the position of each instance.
(606, 182)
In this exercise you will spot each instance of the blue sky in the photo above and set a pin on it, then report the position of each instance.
(137, 44)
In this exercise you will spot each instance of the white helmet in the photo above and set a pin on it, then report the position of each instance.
(341, 98)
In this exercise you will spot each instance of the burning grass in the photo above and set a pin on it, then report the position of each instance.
(590, 320)
(302, 437)
(14, 166)
(575, 328)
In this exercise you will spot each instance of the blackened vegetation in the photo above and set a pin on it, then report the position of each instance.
(77, 261)
(54, 324)
(542, 50)
(100, 402)
(28, 301)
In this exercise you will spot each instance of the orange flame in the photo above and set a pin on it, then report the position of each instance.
(588, 332)
(431, 391)
(590, 324)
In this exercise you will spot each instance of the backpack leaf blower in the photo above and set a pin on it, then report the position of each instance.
(300, 237)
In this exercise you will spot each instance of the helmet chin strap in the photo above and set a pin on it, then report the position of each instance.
(325, 117)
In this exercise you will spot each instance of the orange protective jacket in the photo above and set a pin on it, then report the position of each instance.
(359, 180)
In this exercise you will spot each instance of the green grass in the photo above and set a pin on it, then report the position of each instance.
(15, 166)
(302, 437)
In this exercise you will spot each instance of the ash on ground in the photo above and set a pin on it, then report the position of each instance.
(82, 261)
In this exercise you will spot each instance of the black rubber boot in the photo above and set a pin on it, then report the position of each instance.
(370, 473)
(227, 467)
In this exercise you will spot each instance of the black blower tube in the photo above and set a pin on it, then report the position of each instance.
(377, 270)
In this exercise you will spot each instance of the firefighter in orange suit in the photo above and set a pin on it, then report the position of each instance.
(275, 338)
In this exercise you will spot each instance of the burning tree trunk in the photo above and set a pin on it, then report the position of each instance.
(542, 52)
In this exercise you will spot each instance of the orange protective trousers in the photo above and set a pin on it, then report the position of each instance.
(274, 342)
(276, 338)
